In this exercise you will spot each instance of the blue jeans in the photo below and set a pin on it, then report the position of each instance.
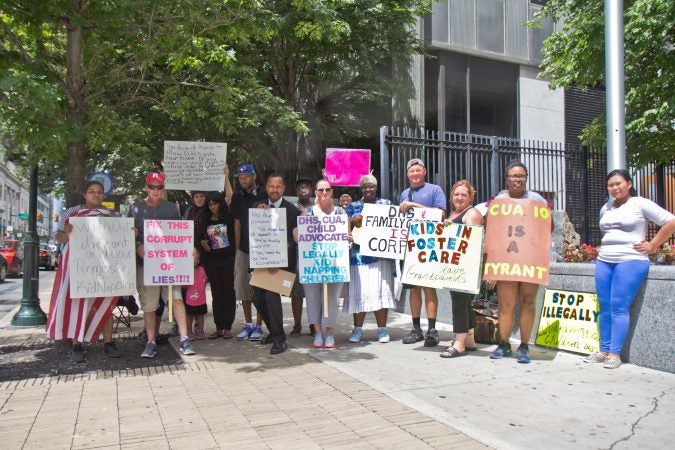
(616, 285)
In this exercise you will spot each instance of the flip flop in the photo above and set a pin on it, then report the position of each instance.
(451, 352)
(216, 335)
(466, 349)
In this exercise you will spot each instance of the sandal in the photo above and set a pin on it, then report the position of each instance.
(451, 352)
(466, 349)
(227, 334)
(216, 334)
(296, 331)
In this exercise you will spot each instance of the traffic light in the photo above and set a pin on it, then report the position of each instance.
(39, 216)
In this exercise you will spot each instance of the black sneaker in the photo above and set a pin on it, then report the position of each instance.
(432, 338)
(502, 351)
(523, 354)
(76, 354)
(415, 335)
(110, 350)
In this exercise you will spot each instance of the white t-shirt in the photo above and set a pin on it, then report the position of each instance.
(626, 225)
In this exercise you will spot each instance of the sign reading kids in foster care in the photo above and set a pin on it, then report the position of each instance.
(569, 321)
(195, 165)
(384, 229)
(102, 257)
(323, 249)
(444, 256)
(268, 238)
(517, 241)
(345, 167)
(168, 256)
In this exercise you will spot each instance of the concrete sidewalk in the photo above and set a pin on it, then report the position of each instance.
(356, 396)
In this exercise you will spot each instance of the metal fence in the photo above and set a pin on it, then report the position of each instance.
(570, 177)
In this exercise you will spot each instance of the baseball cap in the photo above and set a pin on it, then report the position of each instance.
(304, 180)
(245, 169)
(415, 162)
(154, 177)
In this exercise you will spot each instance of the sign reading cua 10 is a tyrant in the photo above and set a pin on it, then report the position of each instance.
(168, 256)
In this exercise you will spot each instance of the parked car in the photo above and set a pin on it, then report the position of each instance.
(48, 258)
(12, 250)
(3, 269)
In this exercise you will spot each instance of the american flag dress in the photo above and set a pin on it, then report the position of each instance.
(77, 318)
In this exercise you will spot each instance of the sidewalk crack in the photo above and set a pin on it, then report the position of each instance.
(655, 405)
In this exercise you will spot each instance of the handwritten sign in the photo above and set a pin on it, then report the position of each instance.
(384, 229)
(444, 256)
(323, 249)
(195, 165)
(268, 238)
(569, 321)
(517, 241)
(168, 252)
(345, 167)
(102, 261)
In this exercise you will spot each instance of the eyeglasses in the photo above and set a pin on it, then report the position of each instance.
(155, 187)
(517, 177)
(324, 190)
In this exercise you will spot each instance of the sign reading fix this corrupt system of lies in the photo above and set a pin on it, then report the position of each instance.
(168, 256)
(102, 257)
(569, 321)
(517, 241)
(444, 256)
(268, 238)
(323, 249)
(195, 165)
(384, 229)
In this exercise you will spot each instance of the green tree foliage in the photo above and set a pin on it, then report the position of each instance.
(574, 56)
(99, 85)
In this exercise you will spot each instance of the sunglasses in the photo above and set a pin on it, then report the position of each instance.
(324, 190)
(155, 187)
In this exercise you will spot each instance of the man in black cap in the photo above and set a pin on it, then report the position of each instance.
(303, 189)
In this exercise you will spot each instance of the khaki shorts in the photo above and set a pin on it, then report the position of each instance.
(148, 296)
(242, 288)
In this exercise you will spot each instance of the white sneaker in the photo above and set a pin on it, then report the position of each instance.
(595, 357)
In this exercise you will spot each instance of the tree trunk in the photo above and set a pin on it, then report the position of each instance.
(78, 152)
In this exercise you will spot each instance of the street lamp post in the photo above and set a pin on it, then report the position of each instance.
(30, 314)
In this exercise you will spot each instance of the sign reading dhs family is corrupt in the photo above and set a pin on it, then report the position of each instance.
(569, 321)
(444, 256)
(384, 229)
(323, 249)
(168, 256)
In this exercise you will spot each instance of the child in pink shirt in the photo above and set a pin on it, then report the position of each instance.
(195, 301)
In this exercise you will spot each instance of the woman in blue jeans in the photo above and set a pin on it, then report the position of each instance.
(623, 263)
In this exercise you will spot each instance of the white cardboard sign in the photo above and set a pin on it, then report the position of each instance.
(195, 165)
(268, 238)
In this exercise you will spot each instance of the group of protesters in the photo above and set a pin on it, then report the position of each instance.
(221, 256)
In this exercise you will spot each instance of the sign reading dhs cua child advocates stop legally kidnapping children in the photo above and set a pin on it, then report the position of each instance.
(168, 256)
(444, 256)
(323, 247)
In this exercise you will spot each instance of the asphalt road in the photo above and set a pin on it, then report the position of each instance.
(11, 291)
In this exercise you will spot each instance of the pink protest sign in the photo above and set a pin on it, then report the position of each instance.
(168, 256)
(345, 167)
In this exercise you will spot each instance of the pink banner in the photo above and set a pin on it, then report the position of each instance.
(344, 167)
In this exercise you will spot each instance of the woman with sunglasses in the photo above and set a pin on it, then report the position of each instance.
(510, 291)
(324, 324)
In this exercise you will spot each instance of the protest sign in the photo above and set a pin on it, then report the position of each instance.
(102, 261)
(517, 241)
(195, 165)
(384, 229)
(168, 256)
(268, 238)
(323, 249)
(569, 321)
(345, 167)
(444, 256)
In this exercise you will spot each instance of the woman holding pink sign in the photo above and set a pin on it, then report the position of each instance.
(371, 279)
